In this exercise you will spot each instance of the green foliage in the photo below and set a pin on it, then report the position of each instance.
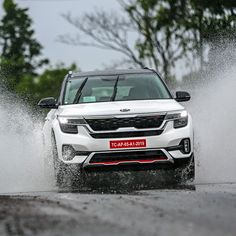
(19, 58)
(48, 84)
(19, 47)
(173, 29)
(207, 21)
(160, 40)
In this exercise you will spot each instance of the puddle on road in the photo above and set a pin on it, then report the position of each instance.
(133, 191)
(127, 183)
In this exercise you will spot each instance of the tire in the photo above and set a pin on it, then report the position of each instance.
(186, 173)
(66, 176)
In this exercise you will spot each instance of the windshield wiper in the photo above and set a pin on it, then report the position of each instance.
(79, 92)
(115, 90)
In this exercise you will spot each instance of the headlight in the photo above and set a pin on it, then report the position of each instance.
(69, 125)
(180, 118)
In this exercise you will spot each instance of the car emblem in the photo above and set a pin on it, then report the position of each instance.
(124, 110)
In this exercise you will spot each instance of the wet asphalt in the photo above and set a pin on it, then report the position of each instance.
(200, 210)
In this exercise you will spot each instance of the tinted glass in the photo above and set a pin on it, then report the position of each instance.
(114, 88)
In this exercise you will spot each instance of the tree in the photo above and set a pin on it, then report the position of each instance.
(166, 30)
(48, 84)
(19, 48)
(208, 22)
(160, 34)
(105, 31)
(157, 43)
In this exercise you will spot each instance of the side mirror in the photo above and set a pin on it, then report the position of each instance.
(50, 103)
(182, 96)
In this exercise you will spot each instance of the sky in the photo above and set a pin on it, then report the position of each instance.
(49, 24)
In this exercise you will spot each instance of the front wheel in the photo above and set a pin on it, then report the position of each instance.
(66, 175)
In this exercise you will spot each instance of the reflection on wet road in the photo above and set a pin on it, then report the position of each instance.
(186, 210)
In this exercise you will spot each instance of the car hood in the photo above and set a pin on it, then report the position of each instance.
(119, 108)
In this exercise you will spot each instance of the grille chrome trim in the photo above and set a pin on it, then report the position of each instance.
(125, 115)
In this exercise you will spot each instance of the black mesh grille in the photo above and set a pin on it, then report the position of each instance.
(128, 156)
(139, 122)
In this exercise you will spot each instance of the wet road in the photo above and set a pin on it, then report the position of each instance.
(203, 210)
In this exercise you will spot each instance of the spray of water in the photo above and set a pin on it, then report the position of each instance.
(21, 148)
(214, 113)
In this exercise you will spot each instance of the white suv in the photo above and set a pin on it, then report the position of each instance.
(118, 120)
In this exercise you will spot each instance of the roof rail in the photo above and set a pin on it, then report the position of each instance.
(147, 68)
(153, 70)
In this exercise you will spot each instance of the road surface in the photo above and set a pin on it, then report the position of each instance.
(195, 210)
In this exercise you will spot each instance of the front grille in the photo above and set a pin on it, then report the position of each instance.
(130, 134)
(115, 157)
(139, 122)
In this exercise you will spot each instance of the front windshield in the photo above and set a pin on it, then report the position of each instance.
(115, 88)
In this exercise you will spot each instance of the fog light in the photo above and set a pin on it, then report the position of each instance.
(68, 152)
(186, 147)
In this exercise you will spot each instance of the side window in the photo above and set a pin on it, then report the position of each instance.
(71, 90)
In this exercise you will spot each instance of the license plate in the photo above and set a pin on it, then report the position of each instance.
(138, 143)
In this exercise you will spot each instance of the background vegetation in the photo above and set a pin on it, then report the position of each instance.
(166, 31)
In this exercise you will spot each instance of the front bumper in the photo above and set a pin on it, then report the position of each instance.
(165, 165)
(88, 146)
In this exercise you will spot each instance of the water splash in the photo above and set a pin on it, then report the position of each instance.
(21, 148)
(214, 113)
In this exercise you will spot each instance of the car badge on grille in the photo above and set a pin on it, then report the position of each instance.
(124, 110)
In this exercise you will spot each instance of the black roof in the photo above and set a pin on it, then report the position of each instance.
(111, 72)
